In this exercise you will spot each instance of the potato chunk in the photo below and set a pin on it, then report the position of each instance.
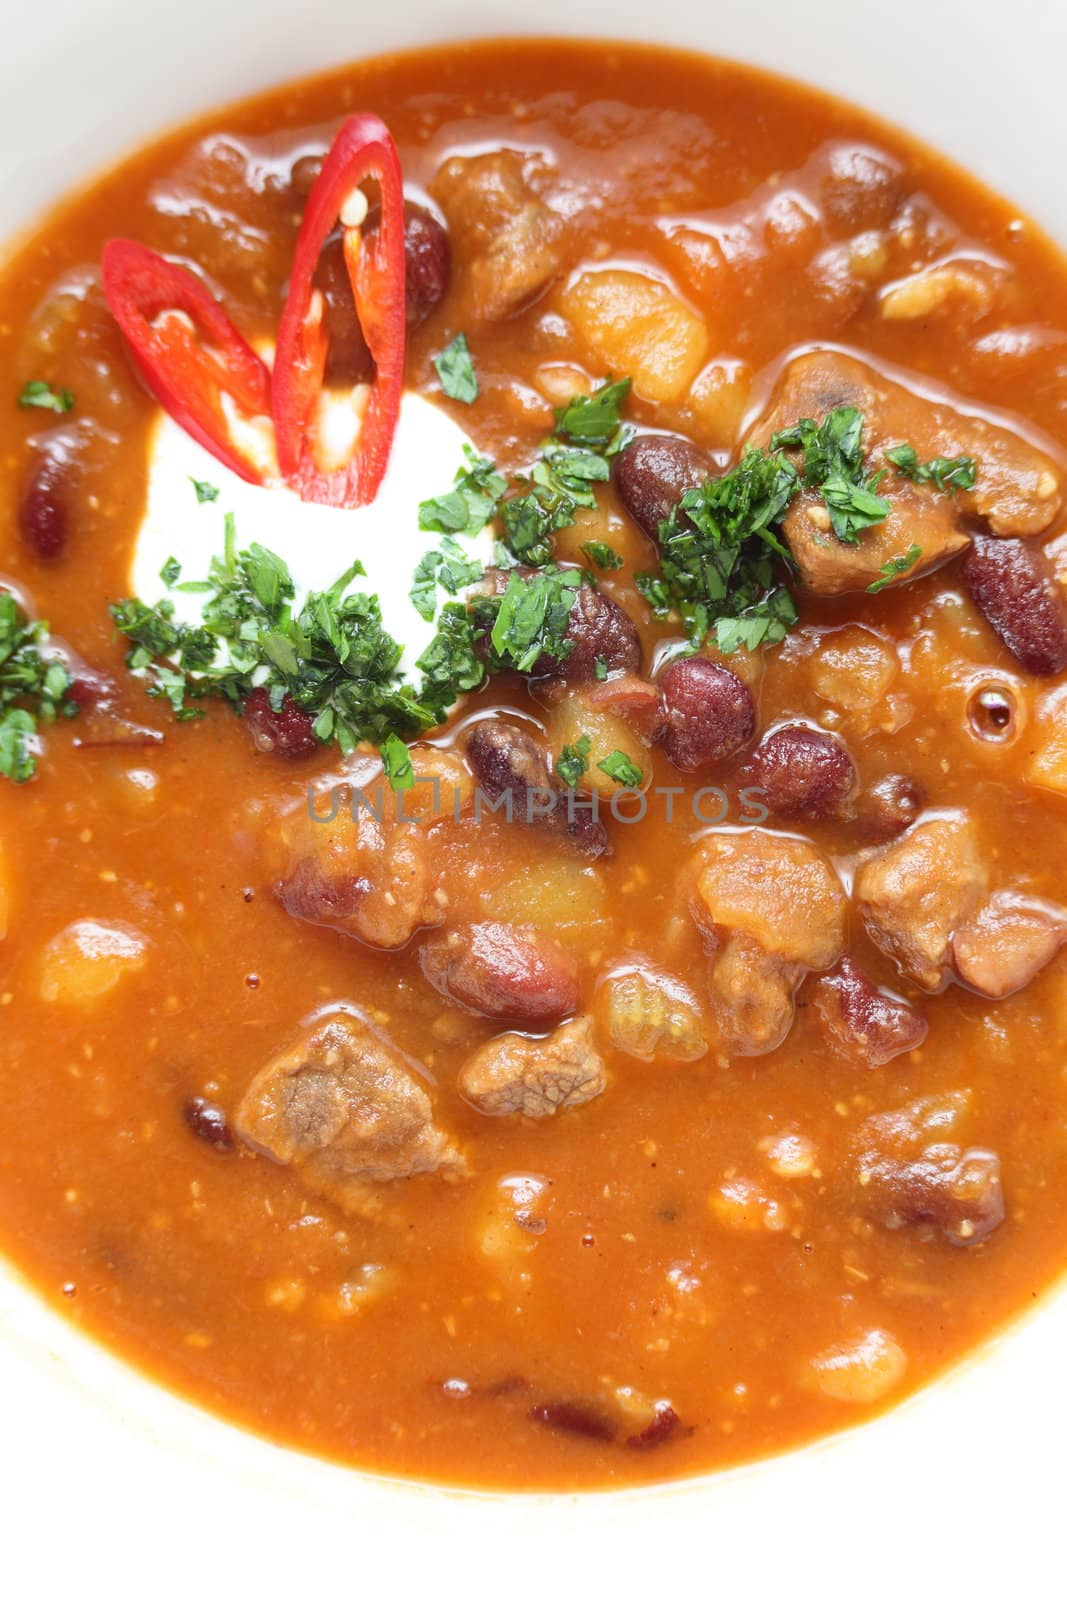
(1047, 767)
(88, 959)
(653, 1017)
(777, 890)
(858, 1371)
(637, 325)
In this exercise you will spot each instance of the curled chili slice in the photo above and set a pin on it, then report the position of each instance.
(363, 149)
(189, 354)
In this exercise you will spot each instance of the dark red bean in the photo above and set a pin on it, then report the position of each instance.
(209, 1122)
(505, 759)
(666, 1424)
(653, 473)
(578, 1417)
(498, 970)
(1011, 584)
(101, 724)
(891, 805)
(708, 711)
(288, 732)
(803, 773)
(428, 259)
(870, 1025)
(598, 631)
(44, 510)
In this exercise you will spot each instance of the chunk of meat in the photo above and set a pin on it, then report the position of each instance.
(1013, 587)
(1018, 490)
(779, 891)
(772, 909)
(362, 876)
(1007, 943)
(346, 1111)
(907, 1171)
(513, 1075)
(914, 893)
(497, 969)
(506, 760)
(864, 1022)
(653, 472)
(507, 241)
(803, 772)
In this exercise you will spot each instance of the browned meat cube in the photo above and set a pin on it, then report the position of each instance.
(867, 1024)
(514, 1076)
(1018, 489)
(1007, 943)
(914, 893)
(506, 240)
(345, 1109)
(909, 1170)
(772, 909)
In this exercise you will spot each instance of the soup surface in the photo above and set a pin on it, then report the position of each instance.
(565, 1150)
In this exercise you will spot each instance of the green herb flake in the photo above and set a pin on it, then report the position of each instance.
(572, 762)
(894, 567)
(946, 473)
(447, 568)
(472, 503)
(396, 762)
(621, 770)
(33, 689)
(170, 572)
(456, 371)
(43, 397)
(205, 492)
(602, 555)
(531, 618)
(593, 420)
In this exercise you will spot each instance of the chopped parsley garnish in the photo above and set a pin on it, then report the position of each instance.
(333, 658)
(396, 762)
(602, 555)
(205, 492)
(600, 669)
(717, 552)
(44, 397)
(33, 689)
(894, 567)
(447, 568)
(593, 420)
(621, 770)
(170, 572)
(946, 473)
(456, 371)
(451, 664)
(531, 618)
(572, 762)
(833, 463)
(472, 503)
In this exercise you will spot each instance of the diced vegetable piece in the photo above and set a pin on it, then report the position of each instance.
(639, 326)
(574, 718)
(860, 1371)
(1047, 767)
(653, 1017)
(88, 959)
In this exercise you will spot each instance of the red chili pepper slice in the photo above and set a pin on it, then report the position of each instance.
(187, 351)
(363, 149)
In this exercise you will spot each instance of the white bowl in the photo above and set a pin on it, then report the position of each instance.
(109, 1477)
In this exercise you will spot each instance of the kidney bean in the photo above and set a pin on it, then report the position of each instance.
(891, 805)
(209, 1122)
(803, 773)
(598, 630)
(666, 1424)
(1011, 584)
(498, 970)
(44, 509)
(709, 712)
(428, 259)
(867, 1023)
(653, 473)
(861, 189)
(579, 1417)
(506, 759)
(288, 732)
(100, 724)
